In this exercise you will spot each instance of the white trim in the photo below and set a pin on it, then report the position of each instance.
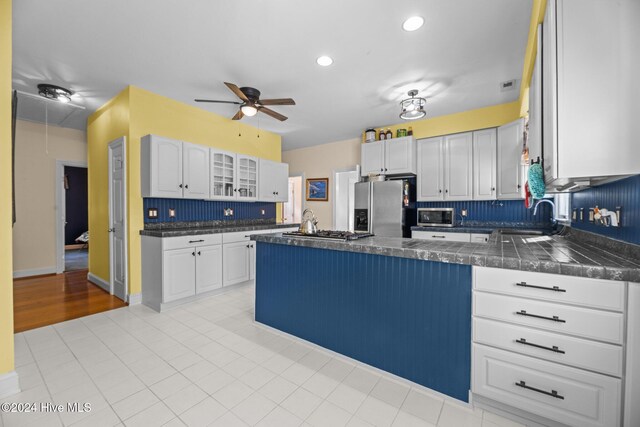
(334, 182)
(9, 384)
(303, 186)
(123, 141)
(134, 299)
(59, 211)
(34, 272)
(99, 281)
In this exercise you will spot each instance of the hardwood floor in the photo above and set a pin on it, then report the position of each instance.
(45, 300)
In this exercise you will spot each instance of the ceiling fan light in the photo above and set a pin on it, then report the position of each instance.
(249, 110)
(413, 23)
(324, 61)
(54, 92)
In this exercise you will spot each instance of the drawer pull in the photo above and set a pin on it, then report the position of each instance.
(196, 241)
(537, 316)
(551, 393)
(554, 288)
(555, 349)
(438, 237)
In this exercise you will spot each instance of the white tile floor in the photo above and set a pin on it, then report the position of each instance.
(207, 364)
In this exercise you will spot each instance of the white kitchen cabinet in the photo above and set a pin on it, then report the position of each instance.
(274, 181)
(590, 67)
(534, 141)
(430, 177)
(208, 268)
(223, 175)
(195, 171)
(390, 157)
(441, 236)
(510, 170)
(236, 260)
(484, 164)
(458, 169)
(247, 178)
(179, 274)
(161, 167)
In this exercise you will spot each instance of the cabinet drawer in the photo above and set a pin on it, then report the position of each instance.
(479, 237)
(437, 235)
(579, 352)
(191, 241)
(581, 398)
(604, 294)
(584, 322)
(236, 236)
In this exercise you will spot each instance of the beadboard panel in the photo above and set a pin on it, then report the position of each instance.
(624, 193)
(496, 211)
(408, 317)
(206, 210)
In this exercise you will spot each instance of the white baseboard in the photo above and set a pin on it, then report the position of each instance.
(99, 281)
(34, 272)
(134, 299)
(9, 384)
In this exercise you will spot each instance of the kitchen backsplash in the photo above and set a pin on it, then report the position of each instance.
(624, 193)
(203, 210)
(506, 211)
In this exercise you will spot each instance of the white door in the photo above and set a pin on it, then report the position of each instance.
(118, 219)
(484, 164)
(510, 170)
(458, 178)
(195, 171)
(344, 197)
(430, 169)
(292, 208)
(166, 168)
(268, 177)
(223, 175)
(208, 268)
(235, 258)
(281, 182)
(372, 158)
(178, 274)
(399, 156)
(247, 178)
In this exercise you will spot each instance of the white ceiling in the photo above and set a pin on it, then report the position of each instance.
(186, 50)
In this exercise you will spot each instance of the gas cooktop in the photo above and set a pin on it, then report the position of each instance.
(330, 234)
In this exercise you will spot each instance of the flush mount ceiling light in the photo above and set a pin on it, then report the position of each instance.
(413, 23)
(324, 61)
(54, 92)
(249, 110)
(413, 107)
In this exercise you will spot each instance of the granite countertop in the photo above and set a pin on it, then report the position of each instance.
(574, 252)
(194, 229)
(483, 227)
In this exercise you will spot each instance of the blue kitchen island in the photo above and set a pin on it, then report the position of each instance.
(404, 315)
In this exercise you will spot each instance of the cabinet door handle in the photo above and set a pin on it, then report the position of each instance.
(546, 288)
(537, 316)
(493, 188)
(180, 185)
(518, 186)
(193, 253)
(111, 230)
(252, 246)
(385, 169)
(439, 191)
(186, 186)
(199, 253)
(248, 246)
(446, 191)
(551, 393)
(438, 237)
(554, 348)
(196, 241)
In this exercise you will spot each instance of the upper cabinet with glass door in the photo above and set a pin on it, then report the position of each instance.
(247, 176)
(223, 175)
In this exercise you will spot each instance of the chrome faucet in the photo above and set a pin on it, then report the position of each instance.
(553, 212)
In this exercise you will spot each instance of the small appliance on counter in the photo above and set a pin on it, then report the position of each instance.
(436, 217)
(385, 208)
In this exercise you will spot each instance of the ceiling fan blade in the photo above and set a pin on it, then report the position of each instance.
(238, 115)
(235, 89)
(272, 113)
(218, 102)
(278, 101)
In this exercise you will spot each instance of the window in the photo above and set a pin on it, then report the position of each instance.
(563, 207)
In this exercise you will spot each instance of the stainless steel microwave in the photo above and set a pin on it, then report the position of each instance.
(436, 217)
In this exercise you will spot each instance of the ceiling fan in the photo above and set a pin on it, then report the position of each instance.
(251, 102)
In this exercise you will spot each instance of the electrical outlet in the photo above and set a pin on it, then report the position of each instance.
(574, 215)
(263, 212)
(582, 214)
(152, 213)
(464, 213)
(172, 212)
(228, 212)
(591, 215)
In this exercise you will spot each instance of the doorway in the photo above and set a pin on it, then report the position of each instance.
(72, 237)
(343, 198)
(292, 209)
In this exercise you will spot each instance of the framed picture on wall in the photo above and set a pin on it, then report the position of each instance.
(318, 189)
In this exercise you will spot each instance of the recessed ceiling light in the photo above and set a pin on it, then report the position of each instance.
(324, 61)
(413, 23)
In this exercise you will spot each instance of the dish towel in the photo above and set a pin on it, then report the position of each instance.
(536, 181)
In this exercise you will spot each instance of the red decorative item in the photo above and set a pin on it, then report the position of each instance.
(528, 200)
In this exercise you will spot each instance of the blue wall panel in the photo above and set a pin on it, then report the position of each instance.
(408, 317)
(496, 211)
(624, 193)
(206, 210)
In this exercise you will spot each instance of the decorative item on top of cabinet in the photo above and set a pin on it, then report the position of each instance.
(510, 169)
(393, 157)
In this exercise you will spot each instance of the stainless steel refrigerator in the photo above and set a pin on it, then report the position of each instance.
(385, 208)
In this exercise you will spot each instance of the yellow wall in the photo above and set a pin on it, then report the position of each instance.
(6, 273)
(149, 113)
(38, 147)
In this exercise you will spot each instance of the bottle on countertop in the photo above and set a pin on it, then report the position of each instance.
(410, 132)
(382, 135)
(389, 134)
